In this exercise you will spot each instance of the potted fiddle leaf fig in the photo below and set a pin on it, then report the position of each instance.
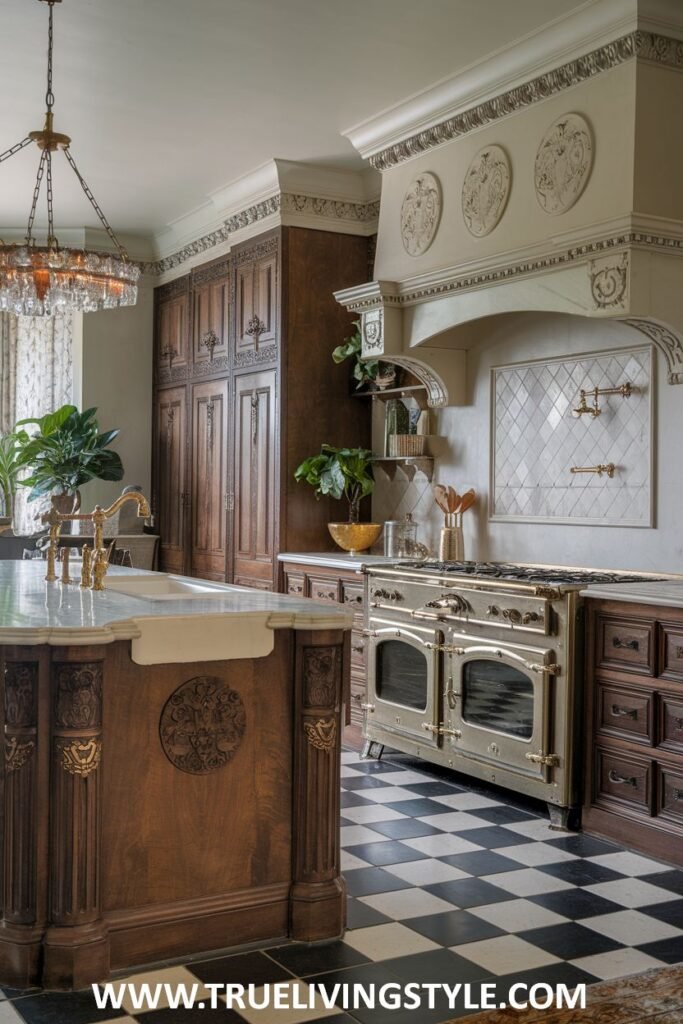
(66, 451)
(343, 473)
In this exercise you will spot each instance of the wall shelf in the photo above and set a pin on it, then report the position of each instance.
(416, 391)
(410, 464)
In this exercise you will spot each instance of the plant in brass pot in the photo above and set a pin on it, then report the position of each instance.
(66, 451)
(368, 373)
(343, 473)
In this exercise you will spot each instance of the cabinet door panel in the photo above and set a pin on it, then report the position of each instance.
(256, 297)
(172, 333)
(211, 319)
(254, 476)
(209, 490)
(171, 476)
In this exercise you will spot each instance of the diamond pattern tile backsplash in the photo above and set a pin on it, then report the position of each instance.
(536, 440)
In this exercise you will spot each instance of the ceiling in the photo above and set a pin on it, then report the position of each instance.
(168, 100)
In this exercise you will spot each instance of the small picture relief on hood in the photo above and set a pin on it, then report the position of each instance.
(420, 213)
(563, 163)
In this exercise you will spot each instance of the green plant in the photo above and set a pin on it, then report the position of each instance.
(339, 473)
(10, 468)
(66, 451)
(364, 371)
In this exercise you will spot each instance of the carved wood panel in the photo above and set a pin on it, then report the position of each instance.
(211, 318)
(209, 478)
(172, 496)
(254, 476)
(257, 305)
(19, 833)
(172, 333)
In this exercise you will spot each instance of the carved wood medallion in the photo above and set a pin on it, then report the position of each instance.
(202, 724)
(485, 190)
(78, 696)
(563, 163)
(321, 733)
(420, 213)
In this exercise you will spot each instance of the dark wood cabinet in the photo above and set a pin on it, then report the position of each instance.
(171, 434)
(209, 479)
(634, 748)
(246, 340)
(254, 479)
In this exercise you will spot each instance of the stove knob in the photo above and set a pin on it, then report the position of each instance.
(493, 610)
(531, 617)
(512, 615)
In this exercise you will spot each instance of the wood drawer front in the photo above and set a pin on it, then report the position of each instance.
(352, 598)
(627, 644)
(295, 584)
(670, 722)
(670, 802)
(323, 589)
(625, 779)
(358, 650)
(671, 664)
(358, 692)
(625, 712)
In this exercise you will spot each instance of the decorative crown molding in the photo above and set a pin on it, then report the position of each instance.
(647, 46)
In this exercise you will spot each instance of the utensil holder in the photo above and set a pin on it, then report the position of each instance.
(451, 540)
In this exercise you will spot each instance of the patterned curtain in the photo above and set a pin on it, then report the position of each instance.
(37, 377)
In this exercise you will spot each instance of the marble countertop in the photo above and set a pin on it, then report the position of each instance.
(239, 620)
(667, 593)
(338, 559)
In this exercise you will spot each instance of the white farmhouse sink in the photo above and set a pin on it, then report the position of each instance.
(162, 587)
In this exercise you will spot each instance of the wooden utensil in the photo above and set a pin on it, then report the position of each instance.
(468, 499)
(453, 499)
(441, 497)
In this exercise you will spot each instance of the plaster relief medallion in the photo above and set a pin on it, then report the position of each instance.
(563, 163)
(202, 725)
(420, 214)
(485, 190)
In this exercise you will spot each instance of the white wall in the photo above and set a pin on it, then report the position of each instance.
(116, 377)
(465, 462)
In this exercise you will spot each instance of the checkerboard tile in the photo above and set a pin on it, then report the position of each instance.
(447, 879)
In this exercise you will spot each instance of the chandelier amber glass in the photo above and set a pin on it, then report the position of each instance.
(42, 280)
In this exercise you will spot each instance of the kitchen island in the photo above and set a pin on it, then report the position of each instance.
(171, 779)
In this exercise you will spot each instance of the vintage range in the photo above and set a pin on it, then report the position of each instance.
(478, 666)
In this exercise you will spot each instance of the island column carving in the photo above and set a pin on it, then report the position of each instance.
(76, 943)
(318, 893)
(24, 824)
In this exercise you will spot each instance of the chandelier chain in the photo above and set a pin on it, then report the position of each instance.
(51, 240)
(16, 149)
(49, 95)
(95, 205)
(36, 194)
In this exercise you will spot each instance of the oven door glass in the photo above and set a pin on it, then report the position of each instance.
(403, 681)
(498, 698)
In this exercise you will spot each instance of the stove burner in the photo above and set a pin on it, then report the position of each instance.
(524, 573)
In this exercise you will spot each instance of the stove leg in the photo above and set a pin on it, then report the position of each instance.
(562, 819)
(371, 748)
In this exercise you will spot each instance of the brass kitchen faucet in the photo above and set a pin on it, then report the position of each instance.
(95, 562)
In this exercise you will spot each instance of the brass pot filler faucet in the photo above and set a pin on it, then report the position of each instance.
(95, 561)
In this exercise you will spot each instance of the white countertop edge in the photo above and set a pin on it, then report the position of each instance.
(338, 560)
(660, 593)
(131, 629)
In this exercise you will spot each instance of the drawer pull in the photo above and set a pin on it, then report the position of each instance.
(679, 652)
(620, 712)
(622, 780)
(350, 599)
(678, 722)
(326, 595)
(629, 645)
(677, 794)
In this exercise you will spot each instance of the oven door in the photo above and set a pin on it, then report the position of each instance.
(404, 680)
(498, 699)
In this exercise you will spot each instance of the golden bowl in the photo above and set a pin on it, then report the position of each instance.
(354, 537)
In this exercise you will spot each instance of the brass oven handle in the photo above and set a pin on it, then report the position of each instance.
(619, 712)
(368, 707)
(622, 780)
(548, 670)
(631, 645)
(440, 730)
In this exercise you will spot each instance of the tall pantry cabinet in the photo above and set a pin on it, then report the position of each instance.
(244, 389)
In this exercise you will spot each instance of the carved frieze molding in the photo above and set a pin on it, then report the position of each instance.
(283, 203)
(645, 46)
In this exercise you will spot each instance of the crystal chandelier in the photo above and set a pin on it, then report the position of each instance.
(41, 280)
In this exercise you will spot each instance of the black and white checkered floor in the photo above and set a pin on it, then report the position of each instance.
(447, 881)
